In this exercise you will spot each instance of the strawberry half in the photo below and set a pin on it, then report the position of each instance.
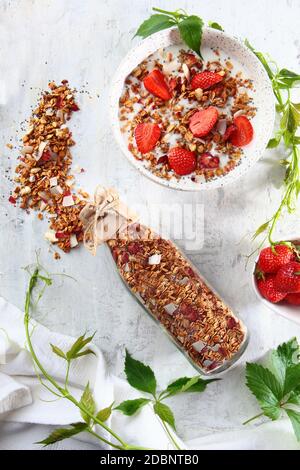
(182, 161)
(146, 136)
(156, 83)
(207, 160)
(269, 291)
(203, 121)
(271, 260)
(293, 299)
(243, 132)
(288, 278)
(205, 80)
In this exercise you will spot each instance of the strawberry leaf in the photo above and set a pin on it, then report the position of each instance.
(266, 388)
(295, 420)
(284, 356)
(191, 30)
(214, 25)
(154, 24)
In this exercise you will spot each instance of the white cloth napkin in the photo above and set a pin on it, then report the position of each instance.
(28, 411)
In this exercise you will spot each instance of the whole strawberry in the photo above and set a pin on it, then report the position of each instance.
(287, 278)
(272, 259)
(266, 287)
(182, 161)
(293, 299)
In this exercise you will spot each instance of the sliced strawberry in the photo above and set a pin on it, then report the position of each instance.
(243, 133)
(146, 136)
(188, 311)
(172, 83)
(163, 160)
(46, 156)
(12, 200)
(230, 129)
(207, 160)
(205, 80)
(75, 107)
(156, 83)
(203, 121)
(182, 161)
(293, 299)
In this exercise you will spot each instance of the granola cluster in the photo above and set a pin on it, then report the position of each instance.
(175, 295)
(230, 97)
(44, 182)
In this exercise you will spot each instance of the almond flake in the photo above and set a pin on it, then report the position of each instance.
(68, 201)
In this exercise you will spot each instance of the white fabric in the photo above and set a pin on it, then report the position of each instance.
(27, 415)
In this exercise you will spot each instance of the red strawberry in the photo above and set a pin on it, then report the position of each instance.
(182, 161)
(188, 311)
(243, 133)
(230, 129)
(268, 290)
(288, 278)
(293, 299)
(271, 261)
(155, 82)
(202, 122)
(207, 160)
(146, 136)
(205, 80)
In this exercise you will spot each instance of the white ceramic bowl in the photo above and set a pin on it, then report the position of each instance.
(290, 312)
(243, 59)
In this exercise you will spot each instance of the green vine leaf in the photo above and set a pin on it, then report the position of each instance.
(130, 407)
(188, 384)
(139, 375)
(63, 433)
(58, 351)
(76, 349)
(105, 413)
(165, 413)
(88, 402)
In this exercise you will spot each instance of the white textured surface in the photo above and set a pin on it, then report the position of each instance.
(84, 42)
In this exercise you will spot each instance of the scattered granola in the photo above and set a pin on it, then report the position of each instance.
(177, 297)
(173, 99)
(44, 182)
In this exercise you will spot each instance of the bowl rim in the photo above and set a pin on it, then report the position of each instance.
(116, 90)
(286, 311)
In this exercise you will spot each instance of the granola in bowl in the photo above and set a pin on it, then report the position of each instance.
(190, 123)
(187, 118)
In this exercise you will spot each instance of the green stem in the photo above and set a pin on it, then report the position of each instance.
(169, 13)
(252, 419)
(67, 374)
(90, 431)
(170, 435)
(63, 392)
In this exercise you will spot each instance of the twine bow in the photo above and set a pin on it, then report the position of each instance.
(104, 218)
